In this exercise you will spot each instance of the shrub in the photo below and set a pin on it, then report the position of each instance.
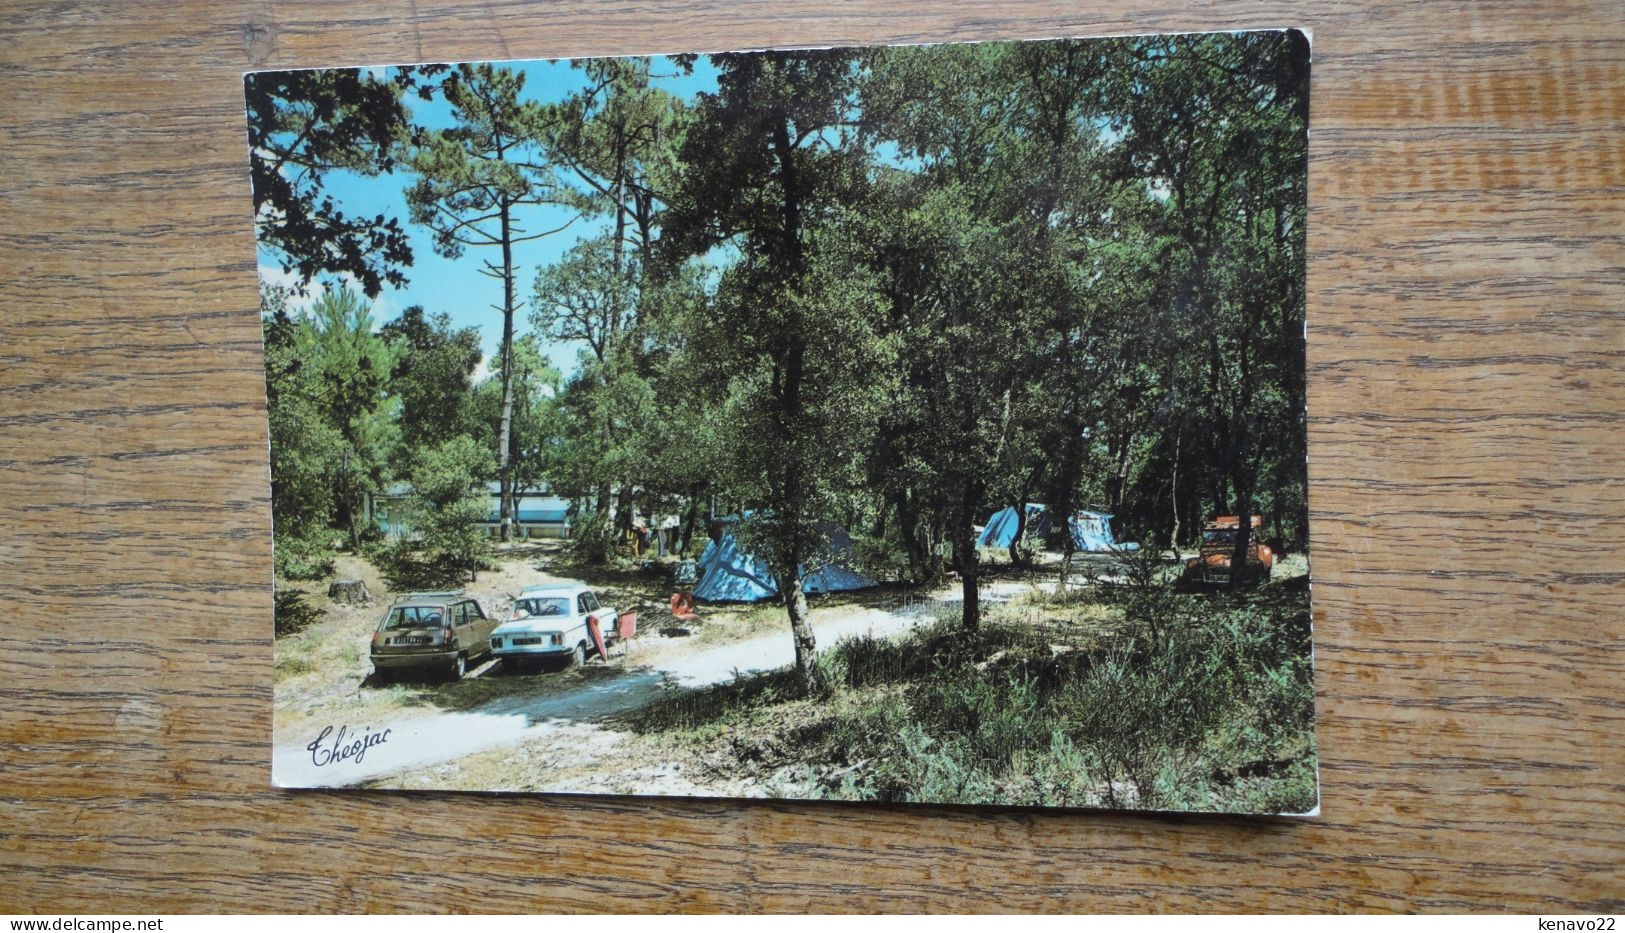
(871, 728)
(1137, 581)
(1209, 704)
(593, 538)
(406, 569)
(1290, 791)
(448, 505)
(291, 613)
(993, 715)
(309, 557)
(879, 558)
(1059, 775)
(1144, 710)
(690, 709)
(921, 767)
(863, 660)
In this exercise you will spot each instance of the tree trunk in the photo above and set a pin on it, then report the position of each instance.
(1120, 478)
(623, 509)
(795, 604)
(1243, 480)
(1173, 488)
(1240, 572)
(791, 360)
(688, 522)
(349, 592)
(910, 533)
(1068, 548)
(504, 439)
(346, 497)
(967, 558)
(937, 539)
(1019, 555)
(1244, 476)
(1275, 516)
(351, 524)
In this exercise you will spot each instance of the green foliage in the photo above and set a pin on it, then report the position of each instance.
(1144, 711)
(682, 709)
(1141, 582)
(795, 454)
(292, 612)
(302, 124)
(536, 420)
(447, 505)
(433, 379)
(792, 351)
(588, 295)
(1078, 264)
(332, 423)
(864, 660)
(304, 558)
(593, 538)
(470, 178)
(1219, 715)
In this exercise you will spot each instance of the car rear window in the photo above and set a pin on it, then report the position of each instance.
(415, 617)
(541, 606)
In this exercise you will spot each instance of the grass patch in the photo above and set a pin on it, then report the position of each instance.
(295, 655)
(689, 710)
(1111, 696)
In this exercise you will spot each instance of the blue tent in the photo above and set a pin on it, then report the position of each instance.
(1091, 531)
(1001, 528)
(729, 575)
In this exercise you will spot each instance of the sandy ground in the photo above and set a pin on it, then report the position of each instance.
(626, 682)
(417, 733)
(322, 672)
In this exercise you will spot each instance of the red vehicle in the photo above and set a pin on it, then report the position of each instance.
(1212, 563)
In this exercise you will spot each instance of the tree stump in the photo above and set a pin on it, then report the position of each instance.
(352, 592)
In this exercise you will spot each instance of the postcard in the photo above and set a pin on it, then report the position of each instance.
(913, 424)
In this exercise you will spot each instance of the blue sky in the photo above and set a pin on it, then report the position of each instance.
(455, 286)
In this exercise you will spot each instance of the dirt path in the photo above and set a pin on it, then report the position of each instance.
(379, 750)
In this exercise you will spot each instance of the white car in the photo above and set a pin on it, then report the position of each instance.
(549, 622)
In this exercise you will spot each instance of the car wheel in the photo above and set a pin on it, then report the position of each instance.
(459, 667)
(578, 657)
(381, 677)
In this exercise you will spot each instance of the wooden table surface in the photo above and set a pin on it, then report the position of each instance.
(1467, 329)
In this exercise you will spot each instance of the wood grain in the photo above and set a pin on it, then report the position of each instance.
(1467, 329)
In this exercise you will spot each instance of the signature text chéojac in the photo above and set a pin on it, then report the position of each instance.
(344, 745)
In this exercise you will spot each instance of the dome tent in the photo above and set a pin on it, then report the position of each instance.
(728, 574)
(1000, 530)
(1091, 531)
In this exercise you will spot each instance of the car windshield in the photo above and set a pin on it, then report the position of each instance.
(1219, 536)
(540, 606)
(415, 617)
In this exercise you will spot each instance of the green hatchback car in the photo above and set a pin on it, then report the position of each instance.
(433, 632)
